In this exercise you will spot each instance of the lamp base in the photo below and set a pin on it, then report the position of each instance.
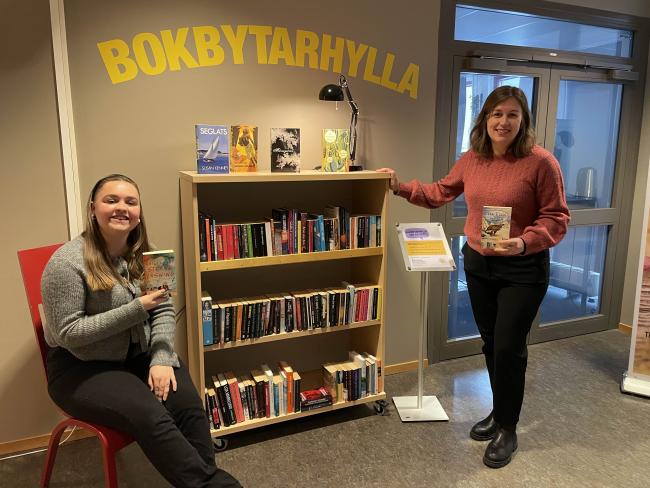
(355, 167)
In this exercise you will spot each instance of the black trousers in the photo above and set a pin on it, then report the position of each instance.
(174, 435)
(506, 292)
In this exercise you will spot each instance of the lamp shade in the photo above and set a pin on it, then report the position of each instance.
(331, 93)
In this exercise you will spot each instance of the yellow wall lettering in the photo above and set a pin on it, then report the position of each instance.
(176, 50)
(410, 81)
(261, 32)
(236, 41)
(140, 41)
(119, 65)
(209, 51)
(281, 47)
(368, 74)
(388, 69)
(355, 56)
(154, 53)
(306, 44)
(335, 54)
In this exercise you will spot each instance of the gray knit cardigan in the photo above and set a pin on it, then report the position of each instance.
(99, 325)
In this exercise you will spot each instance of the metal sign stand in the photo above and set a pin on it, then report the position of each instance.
(420, 408)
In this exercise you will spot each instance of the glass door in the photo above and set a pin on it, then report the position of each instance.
(474, 79)
(577, 116)
(584, 119)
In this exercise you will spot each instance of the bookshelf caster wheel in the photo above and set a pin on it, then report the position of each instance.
(220, 444)
(381, 406)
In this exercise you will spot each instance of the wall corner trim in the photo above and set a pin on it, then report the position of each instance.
(66, 119)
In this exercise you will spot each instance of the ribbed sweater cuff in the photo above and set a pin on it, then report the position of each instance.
(405, 190)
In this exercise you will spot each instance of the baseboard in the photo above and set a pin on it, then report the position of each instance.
(403, 367)
(39, 442)
(625, 328)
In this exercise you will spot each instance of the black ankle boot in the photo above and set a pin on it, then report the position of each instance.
(499, 452)
(485, 429)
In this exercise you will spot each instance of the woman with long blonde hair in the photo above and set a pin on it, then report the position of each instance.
(111, 359)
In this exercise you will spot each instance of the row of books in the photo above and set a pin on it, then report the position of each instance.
(288, 231)
(226, 321)
(357, 378)
(222, 149)
(264, 393)
(261, 393)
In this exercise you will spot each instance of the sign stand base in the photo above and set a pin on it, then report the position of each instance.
(407, 407)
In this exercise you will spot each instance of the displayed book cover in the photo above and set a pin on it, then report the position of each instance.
(336, 147)
(159, 271)
(212, 149)
(243, 148)
(285, 150)
(495, 225)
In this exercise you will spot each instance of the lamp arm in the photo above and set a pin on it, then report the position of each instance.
(353, 121)
(353, 105)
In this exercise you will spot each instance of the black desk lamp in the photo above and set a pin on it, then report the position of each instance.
(335, 93)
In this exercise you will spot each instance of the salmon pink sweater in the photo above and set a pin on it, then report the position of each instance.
(532, 186)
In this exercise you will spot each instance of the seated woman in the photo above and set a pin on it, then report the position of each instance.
(112, 358)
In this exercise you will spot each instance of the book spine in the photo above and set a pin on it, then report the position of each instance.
(203, 255)
(206, 316)
(223, 405)
(216, 324)
(219, 238)
(208, 407)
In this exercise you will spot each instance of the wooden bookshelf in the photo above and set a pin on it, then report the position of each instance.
(249, 197)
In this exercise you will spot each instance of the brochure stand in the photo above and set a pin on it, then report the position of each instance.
(424, 249)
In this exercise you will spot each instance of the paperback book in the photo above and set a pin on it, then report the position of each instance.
(212, 149)
(495, 226)
(285, 150)
(243, 148)
(336, 146)
(159, 271)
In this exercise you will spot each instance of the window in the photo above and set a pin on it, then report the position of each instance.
(520, 29)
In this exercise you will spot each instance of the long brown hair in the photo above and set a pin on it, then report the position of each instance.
(524, 141)
(101, 274)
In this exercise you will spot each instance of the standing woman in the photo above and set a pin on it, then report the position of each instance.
(506, 285)
(111, 359)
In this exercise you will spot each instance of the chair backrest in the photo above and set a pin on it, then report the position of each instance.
(32, 263)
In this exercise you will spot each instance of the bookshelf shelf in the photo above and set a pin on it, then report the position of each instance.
(252, 424)
(290, 259)
(250, 197)
(268, 177)
(290, 335)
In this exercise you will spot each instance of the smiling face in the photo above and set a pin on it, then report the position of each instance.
(116, 208)
(503, 125)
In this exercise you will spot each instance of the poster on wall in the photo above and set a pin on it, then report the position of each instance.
(641, 340)
(637, 378)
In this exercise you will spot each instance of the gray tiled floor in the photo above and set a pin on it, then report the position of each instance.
(576, 430)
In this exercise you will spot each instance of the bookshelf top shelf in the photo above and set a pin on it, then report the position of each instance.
(268, 177)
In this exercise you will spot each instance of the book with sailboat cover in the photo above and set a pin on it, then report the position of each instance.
(495, 226)
(212, 156)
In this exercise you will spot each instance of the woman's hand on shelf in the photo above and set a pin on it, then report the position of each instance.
(394, 181)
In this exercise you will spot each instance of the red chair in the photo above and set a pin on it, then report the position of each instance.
(32, 264)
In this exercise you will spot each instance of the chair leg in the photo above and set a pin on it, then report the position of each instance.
(53, 446)
(110, 473)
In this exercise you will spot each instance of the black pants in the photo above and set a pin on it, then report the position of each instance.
(506, 292)
(174, 435)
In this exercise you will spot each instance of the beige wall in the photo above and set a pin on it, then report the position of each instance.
(32, 202)
(145, 128)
